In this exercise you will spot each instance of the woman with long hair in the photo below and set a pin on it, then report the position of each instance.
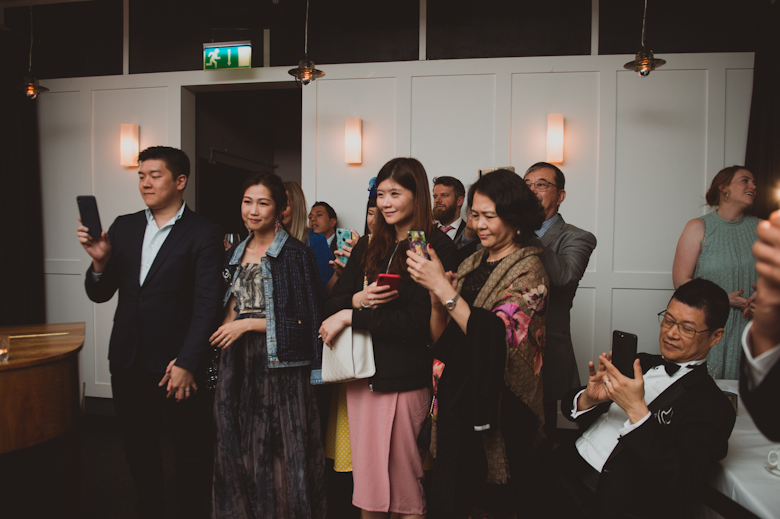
(269, 460)
(718, 247)
(386, 411)
(295, 221)
(488, 324)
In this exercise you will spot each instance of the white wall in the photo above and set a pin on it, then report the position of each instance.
(638, 155)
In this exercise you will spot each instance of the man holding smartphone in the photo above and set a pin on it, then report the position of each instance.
(647, 443)
(165, 262)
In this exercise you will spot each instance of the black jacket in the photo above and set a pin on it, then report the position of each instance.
(400, 329)
(761, 401)
(657, 469)
(175, 311)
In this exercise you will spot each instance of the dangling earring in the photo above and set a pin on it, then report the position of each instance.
(278, 225)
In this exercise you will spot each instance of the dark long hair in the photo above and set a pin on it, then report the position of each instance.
(274, 184)
(410, 174)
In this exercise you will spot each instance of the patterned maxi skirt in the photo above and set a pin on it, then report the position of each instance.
(269, 459)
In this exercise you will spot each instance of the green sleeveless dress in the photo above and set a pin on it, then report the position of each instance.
(726, 259)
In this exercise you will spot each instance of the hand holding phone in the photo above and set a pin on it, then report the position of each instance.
(418, 244)
(90, 217)
(391, 280)
(624, 352)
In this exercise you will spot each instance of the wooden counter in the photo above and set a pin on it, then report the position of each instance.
(39, 385)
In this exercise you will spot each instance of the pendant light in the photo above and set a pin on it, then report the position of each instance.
(305, 73)
(644, 63)
(30, 84)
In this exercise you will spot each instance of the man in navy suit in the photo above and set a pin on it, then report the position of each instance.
(649, 442)
(165, 261)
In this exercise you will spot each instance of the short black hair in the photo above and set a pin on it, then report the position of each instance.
(328, 208)
(452, 182)
(274, 184)
(560, 180)
(705, 295)
(515, 203)
(175, 160)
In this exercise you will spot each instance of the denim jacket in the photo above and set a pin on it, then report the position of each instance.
(293, 299)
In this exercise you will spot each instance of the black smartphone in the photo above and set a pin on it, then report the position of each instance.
(90, 218)
(624, 352)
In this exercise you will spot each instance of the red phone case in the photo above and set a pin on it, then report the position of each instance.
(392, 280)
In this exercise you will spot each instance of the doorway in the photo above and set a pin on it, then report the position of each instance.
(241, 130)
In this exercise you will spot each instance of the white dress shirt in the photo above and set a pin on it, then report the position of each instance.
(455, 225)
(758, 367)
(597, 443)
(154, 237)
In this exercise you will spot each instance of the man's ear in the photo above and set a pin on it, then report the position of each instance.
(717, 335)
(561, 196)
(181, 182)
(333, 222)
(459, 203)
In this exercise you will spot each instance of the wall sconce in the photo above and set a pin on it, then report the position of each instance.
(555, 138)
(128, 145)
(353, 140)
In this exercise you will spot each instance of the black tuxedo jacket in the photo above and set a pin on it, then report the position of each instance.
(762, 402)
(173, 314)
(658, 468)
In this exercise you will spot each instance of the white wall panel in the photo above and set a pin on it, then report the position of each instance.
(453, 125)
(576, 96)
(660, 165)
(636, 311)
(344, 186)
(65, 174)
(739, 92)
(583, 318)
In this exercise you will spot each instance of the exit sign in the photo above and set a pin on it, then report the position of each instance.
(234, 54)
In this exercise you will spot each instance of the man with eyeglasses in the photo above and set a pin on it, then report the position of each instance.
(650, 441)
(567, 250)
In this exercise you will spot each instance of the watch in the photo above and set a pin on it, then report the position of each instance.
(450, 303)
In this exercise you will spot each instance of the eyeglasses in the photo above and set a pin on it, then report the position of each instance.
(684, 329)
(541, 185)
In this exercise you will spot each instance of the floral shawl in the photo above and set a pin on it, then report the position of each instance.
(517, 292)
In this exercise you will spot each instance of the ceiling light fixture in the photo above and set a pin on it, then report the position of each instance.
(645, 62)
(30, 84)
(305, 73)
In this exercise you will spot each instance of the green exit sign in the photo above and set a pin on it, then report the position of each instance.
(234, 54)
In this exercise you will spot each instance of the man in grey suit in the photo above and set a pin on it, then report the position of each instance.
(567, 250)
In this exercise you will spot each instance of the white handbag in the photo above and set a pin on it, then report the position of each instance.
(350, 358)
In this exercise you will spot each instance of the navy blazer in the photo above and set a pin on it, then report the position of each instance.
(657, 469)
(175, 311)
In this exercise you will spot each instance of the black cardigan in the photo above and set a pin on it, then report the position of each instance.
(400, 329)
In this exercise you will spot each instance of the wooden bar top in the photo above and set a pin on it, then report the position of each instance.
(39, 385)
(41, 343)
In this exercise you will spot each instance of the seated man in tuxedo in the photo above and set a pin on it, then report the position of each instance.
(649, 441)
(759, 382)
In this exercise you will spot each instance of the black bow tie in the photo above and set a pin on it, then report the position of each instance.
(670, 367)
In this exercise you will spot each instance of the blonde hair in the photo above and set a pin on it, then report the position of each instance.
(298, 225)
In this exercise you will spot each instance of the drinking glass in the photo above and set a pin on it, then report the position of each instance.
(231, 239)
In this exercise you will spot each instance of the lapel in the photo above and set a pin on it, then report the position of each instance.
(178, 230)
(553, 232)
(660, 408)
(459, 233)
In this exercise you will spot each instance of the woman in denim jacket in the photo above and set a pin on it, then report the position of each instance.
(268, 459)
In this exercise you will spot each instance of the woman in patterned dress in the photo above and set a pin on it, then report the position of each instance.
(488, 323)
(269, 461)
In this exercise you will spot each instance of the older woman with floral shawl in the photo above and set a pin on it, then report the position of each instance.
(488, 326)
